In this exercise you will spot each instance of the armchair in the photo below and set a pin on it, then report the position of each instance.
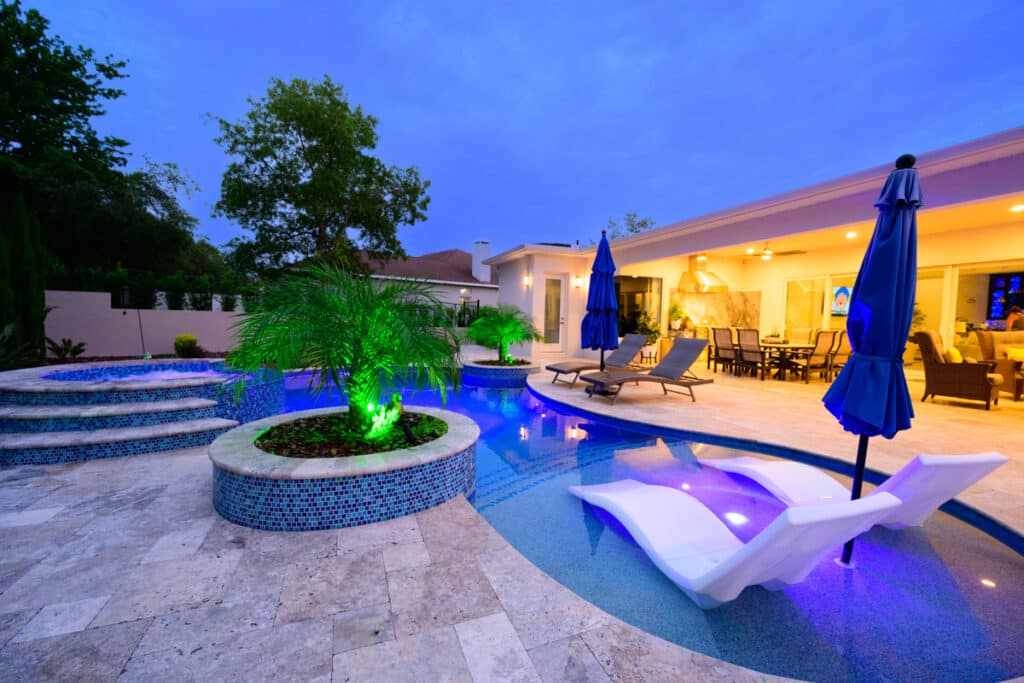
(972, 381)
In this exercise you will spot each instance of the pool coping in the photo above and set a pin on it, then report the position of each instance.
(235, 451)
(31, 380)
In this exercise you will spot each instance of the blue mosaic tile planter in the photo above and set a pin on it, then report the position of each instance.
(496, 376)
(275, 495)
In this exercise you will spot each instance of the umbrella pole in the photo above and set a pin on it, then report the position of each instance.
(602, 360)
(858, 481)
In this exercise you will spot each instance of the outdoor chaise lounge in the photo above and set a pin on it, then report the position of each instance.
(620, 358)
(672, 371)
(699, 553)
(923, 484)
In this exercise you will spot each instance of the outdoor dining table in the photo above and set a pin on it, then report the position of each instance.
(784, 353)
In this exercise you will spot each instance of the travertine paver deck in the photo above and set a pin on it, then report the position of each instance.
(121, 570)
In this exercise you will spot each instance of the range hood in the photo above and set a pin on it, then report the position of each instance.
(697, 279)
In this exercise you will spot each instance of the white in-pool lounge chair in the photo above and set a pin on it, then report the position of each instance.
(699, 553)
(923, 484)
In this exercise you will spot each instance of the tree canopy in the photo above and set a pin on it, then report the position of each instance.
(304, 182)
(94, 217)
(632, 225)
(49, 92)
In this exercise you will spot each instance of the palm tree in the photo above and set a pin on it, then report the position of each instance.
(499, 327)
(360, 337)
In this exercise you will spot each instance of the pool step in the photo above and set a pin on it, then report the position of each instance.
(20, 419)
(38, 448)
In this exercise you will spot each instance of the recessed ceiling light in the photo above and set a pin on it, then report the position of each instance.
(702, 257)
(750, 250)
(988, 583)
(1017, 208)
(767, 256)
(850, 235)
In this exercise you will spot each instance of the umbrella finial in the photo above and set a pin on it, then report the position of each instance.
(906, 161)
(603, 233)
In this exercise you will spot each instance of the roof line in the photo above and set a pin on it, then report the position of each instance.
(476, 283)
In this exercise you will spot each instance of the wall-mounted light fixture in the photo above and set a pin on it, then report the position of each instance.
(751, 251)
(462, 290)
(527, 281)
(578, 281)
(702, 257)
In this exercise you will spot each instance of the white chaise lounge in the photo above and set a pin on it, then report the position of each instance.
(923, 484)
(699, 553)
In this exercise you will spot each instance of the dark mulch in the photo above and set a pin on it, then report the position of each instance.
(503, 364)
(328, 436)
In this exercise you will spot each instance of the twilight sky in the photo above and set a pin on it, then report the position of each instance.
(539, 121)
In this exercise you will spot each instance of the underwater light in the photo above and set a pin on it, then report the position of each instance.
(736, 519)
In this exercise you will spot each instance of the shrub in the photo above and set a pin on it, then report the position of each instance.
(228, 302)
(365, 339)
(187, 346)
(500, 327)
(66, 349)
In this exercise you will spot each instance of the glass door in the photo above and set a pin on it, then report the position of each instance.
(554, 313)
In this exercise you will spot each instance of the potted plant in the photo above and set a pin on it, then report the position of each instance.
(367, 462)
(912, 351)
(362, 339)
(500, 327)
(644, 325)
(676, 313)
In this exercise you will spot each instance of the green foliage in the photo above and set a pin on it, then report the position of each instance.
(304, 182)
(644, 325)
(228, 303)
(91, 214)
(66, 349)
(632, 225)
(51, 93)
(676, 311)
(22, 301)
(360, 337)
(14, 353)
(187, 346)
(500, 327)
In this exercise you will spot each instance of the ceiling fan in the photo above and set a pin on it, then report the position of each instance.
(767, 254)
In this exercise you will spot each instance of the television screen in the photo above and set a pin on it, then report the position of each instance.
(840, 300)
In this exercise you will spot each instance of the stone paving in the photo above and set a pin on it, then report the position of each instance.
(121, 569)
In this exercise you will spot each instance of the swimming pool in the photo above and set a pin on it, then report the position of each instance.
(915, 608)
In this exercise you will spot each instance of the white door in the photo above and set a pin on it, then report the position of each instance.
(555, 309)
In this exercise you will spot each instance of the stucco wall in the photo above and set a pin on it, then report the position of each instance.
(87, 317)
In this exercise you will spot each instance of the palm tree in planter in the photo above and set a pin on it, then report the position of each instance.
(362, 338)
(499, 327)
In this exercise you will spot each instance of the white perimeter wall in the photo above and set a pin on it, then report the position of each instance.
(87, 317)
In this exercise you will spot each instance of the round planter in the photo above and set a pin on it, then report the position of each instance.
(497, 376)
(278, 493)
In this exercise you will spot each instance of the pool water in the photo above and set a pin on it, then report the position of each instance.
(914, 609)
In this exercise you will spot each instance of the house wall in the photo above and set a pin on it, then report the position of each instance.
(530, 299)
(87, 317)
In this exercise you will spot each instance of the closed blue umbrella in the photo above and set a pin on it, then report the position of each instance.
(870, 396)
(600, 328)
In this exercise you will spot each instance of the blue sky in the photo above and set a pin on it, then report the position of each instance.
(539, 121)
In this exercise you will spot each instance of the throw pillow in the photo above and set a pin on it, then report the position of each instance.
(953, 355)
(1015, 353)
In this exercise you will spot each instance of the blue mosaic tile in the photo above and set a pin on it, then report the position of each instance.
(74, 424)
(496, 377)
(335, 502)
(10, 457)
